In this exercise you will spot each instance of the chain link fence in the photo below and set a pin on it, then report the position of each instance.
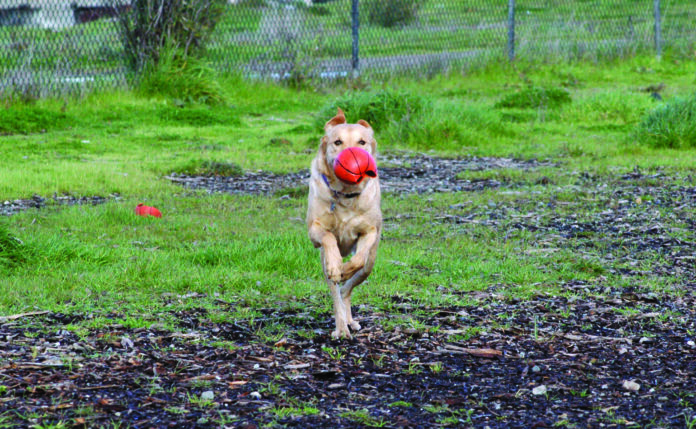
(50, 47)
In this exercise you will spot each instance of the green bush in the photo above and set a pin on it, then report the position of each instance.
(380, 109)
(392, 13)
(151, 26)
(182, 78)
(535, 97)
(671, 125)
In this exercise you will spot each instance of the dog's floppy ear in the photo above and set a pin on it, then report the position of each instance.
(339, 119)
(364, 123)
(323, 166)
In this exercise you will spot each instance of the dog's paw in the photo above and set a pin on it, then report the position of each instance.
(341, 332)
(349, 269)
(355, 326)
(333, 273)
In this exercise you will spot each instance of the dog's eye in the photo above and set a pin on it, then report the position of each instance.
(338, 142)
(361, 142)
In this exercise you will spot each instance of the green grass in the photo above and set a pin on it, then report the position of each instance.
(254, 248)
(363, 418)
(12, 250)
(670, 125)
(28, 119)
(535, 98)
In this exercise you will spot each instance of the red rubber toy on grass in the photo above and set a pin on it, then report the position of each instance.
(353, 164)
(143, 210)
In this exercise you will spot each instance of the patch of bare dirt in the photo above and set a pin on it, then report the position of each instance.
(536, 363)
(632, 225)
(9, 207)
(415, 173)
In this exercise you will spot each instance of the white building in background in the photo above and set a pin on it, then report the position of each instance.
(56, 14)
(59, 14)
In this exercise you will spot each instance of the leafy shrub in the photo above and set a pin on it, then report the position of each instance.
(535, 97)
(392, 13)
(380, 109)
(153, 25)
(671, 125)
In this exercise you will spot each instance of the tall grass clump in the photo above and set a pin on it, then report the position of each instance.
(381, 109)
(185, 79)
(448, 128)
(616, 107)
(404, 119)
(12, 251)
(670, 125)
(534, 97)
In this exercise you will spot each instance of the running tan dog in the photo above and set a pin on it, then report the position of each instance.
(344, 218)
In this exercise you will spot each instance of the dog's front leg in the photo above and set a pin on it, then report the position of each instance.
(330, 256)
(331, 264)
(357, 270)
(339, 308)
(365, 250)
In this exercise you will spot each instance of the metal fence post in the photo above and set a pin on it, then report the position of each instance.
(355, 62)
(658, 28)
(511, 29)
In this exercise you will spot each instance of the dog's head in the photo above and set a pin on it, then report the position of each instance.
(338, 136)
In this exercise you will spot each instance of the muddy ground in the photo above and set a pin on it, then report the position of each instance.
(398, 174)
(9, 207)
(604, 355)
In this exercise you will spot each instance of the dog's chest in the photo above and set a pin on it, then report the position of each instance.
(344, 223)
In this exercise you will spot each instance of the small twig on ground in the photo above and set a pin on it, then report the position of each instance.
(18, 316)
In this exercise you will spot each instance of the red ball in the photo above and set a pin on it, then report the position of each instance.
(353, 164)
